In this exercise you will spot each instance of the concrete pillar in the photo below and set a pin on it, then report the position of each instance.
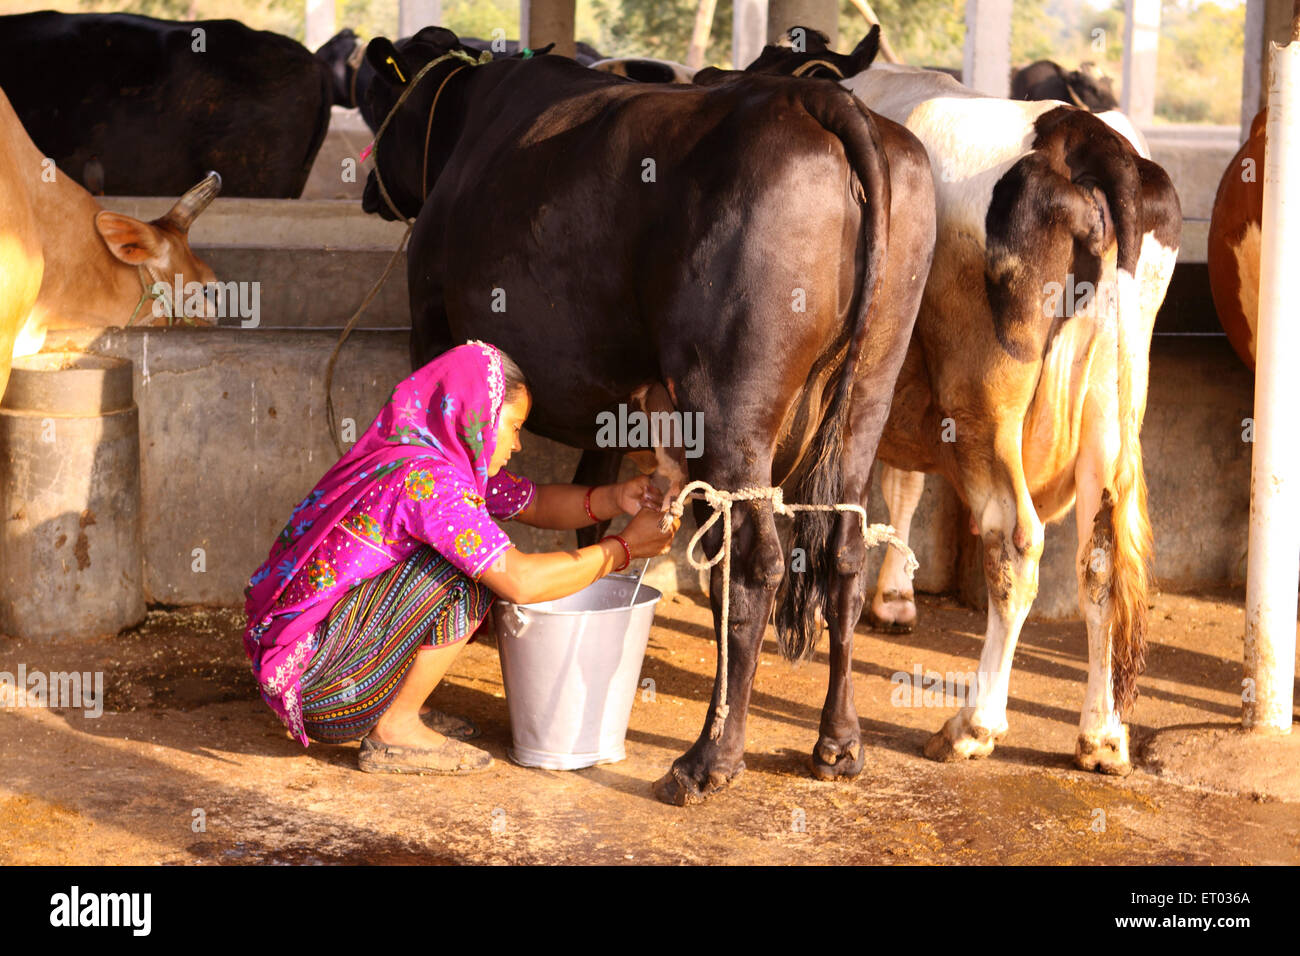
(823, 15)
(319, 23)
(1141, 47)
(1267, 21)
(748, 31)
(414, 15)
(548, 21)
(1272, 561)
(986, 65)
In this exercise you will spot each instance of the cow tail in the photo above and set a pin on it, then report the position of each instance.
(819, 479)
(1130, 578)
(1130, 575)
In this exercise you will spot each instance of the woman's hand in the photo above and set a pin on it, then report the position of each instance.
(643, 536)
(637, 493)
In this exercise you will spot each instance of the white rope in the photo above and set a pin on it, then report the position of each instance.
(721, 502)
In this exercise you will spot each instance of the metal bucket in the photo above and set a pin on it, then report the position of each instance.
(570, 668)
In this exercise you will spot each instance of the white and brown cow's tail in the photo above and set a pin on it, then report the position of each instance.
(1100, 156)
(1130, 570)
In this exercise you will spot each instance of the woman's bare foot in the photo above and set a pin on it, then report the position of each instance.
(405, 730)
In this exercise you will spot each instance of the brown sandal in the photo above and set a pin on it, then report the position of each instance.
(453, 757)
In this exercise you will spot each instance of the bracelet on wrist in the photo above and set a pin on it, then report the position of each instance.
(586, 505)
(627, 551)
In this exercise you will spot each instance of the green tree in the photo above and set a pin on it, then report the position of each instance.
(657, 28)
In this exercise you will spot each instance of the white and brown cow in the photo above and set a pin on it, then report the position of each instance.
(1232, 252)
(1026, 381)
(66, 263)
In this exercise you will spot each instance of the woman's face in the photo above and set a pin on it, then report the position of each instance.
(513, 414)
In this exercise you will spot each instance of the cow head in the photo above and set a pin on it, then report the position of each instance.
(414, 140)
(161, 248)
(338, 55)
(1093, 88)
(809, 55)
(401, 155)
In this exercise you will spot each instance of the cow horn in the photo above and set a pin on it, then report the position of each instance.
(195, 200)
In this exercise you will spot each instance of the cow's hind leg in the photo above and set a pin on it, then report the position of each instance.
(1012, 538)
(839, 751)
(1103, 739)
(710, 765)
(893, 609)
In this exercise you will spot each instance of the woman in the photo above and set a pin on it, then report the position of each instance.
(389, 565)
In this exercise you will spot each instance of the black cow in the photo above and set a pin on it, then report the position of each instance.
(585, 53)
(341, 56)
(344, 56)
(1086, 87)
(158, 103)
(745, 252)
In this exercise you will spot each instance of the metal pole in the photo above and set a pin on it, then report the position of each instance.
(1274, 557)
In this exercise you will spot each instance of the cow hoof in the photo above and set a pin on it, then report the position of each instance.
(1104, 753)
(678, 788)
(893, 612)
(961, 740)
(834, 761)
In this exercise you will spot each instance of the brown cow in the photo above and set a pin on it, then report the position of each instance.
(1232, 251)
(65, 262)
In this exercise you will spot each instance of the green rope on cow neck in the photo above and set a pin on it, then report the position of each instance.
(480, 60)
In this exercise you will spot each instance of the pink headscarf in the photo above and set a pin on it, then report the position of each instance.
(446, 413)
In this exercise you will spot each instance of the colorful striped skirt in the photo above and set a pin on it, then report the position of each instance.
(371, 637)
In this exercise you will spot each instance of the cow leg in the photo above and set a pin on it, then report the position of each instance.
(893, 609)
(839, 752)
(1012, 537)
(756, 571)
(1103, 739)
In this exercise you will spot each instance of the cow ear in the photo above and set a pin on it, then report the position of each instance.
(865, 52)
(527, 53)
(132, 241)
(387, 62)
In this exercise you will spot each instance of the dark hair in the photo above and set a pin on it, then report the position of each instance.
(514, 377)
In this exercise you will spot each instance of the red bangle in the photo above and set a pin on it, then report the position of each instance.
(586, 505)
(627, 550)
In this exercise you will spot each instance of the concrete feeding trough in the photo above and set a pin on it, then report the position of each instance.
(71, 560)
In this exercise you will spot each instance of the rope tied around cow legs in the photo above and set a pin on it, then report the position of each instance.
(721, 502)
